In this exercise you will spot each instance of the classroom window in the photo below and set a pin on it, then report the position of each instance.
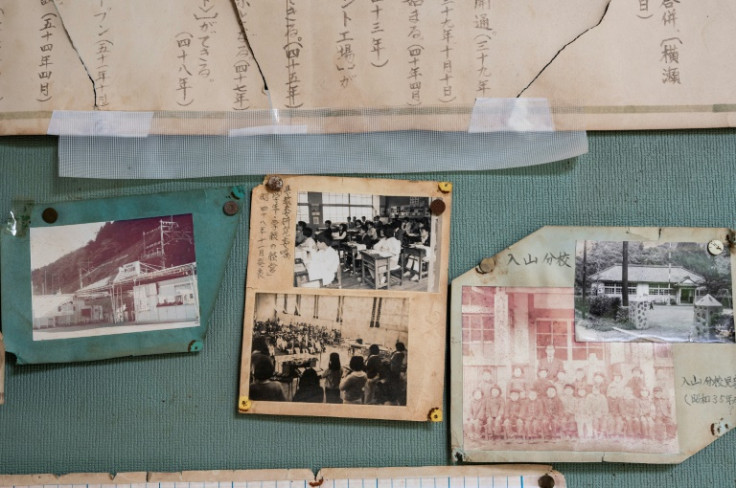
(556, 333)
(478, 334)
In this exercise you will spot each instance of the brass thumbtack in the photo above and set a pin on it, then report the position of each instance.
(244, 404)
(486, 265)
(274, 183)
(435, 415)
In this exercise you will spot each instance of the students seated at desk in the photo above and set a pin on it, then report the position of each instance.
(413, 263)
(370, 238)
(323, 263)
(300, 237)
(386, 245)
(327, 231)
(340, 234)
(389, 244)
(308, 242)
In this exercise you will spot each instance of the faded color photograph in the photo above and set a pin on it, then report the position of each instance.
(117, 277)
(329, 349)
(528, 384)
(364, 241)
(660, 291)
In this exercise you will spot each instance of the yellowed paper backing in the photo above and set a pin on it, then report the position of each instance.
(203, 64)
(393, 299)
(442, 476)
(524, 300)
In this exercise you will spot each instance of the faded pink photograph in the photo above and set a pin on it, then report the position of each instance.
(529, 385)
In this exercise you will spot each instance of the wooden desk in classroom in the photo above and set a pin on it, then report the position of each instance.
(374, 260)
(419, 253)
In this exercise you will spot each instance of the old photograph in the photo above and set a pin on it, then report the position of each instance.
(329, 349)
(365, 241)
(528, 384)
(653, 291)
(115, 277)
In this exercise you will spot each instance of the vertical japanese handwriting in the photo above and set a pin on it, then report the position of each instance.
(292, 49)
(243, 62)
(274, 241)
(378, 58)
(670, 45)
(49, 25)
(184, 95)
(415, 51)
(481, 46)
(644, 12)
(448, 40)
(240, 69)
(103, 50)
(345, 62)
(286, 226)
(206, 18)
(262, 234)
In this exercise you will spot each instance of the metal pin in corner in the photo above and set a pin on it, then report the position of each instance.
(435, 415)
(486, 265)
(244, 404)
(274, 183)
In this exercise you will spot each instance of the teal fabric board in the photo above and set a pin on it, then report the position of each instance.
(213, 233)
(178, 412)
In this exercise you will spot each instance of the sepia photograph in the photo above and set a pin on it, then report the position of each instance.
(365, 241)
(329, 349)
(116, 277)
(652, 291)
(528, 384)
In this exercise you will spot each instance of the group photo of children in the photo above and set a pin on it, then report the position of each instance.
(561, 402)
(328, 349)
(526, 380)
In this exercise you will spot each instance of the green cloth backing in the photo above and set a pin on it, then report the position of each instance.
(178, 412)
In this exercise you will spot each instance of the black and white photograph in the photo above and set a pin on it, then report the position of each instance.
(115, 277)
(653, 291)
(330, 349)
(364, 241)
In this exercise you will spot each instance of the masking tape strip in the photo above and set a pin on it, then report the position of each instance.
(511, 115)
(166, 157)
(100, 123)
